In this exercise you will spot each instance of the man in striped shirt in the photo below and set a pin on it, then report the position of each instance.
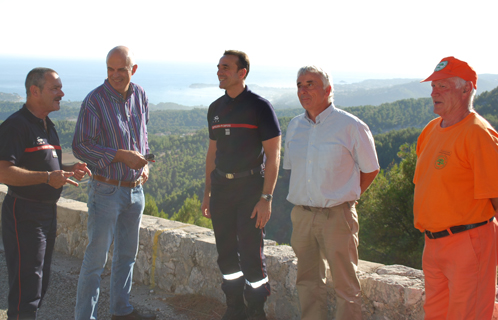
(111, 136)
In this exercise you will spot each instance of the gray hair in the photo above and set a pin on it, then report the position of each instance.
(130, 58)
(36, 77)
(323, 76)
(459, 83)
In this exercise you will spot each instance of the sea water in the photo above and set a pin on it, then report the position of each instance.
(162, 81)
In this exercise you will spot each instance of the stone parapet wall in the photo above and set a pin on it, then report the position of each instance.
(181, 259)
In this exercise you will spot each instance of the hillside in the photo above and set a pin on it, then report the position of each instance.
(369, 92)
(396, 115)
(14, 97)
(179, 139)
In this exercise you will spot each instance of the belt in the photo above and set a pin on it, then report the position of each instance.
(128, 184)
(455, 229)
(237, 175)
(14, 195)
(308, 208)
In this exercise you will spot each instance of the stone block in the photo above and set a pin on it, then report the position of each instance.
(181, 259)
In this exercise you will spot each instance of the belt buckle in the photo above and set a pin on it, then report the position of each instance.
(229, 176)
(138, 182)
(429, 234)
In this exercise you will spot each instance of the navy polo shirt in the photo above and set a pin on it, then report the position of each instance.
(25, 143)
(239, 126)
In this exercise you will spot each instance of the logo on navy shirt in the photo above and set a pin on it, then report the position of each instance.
(39, 141)
(216, 119)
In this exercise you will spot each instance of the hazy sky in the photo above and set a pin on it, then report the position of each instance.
(395, 37)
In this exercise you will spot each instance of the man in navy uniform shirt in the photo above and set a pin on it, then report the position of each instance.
(31, 166)
(241, 171)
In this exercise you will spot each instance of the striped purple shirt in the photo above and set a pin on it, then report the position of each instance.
(106, 123)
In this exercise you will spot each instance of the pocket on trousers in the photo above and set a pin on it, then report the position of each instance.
(476, 236)
(34, 211)
(350, 217)
(105, 189)
(293, 215)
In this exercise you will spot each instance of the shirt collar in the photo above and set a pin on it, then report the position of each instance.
(322, 116)
(34, 119)
(117, 95)
(239, 97)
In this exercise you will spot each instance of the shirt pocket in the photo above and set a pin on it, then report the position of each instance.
(330, 157)
(295, 152)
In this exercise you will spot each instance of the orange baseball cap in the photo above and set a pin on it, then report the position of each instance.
(452, 67)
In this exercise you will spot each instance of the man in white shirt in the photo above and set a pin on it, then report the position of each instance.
(332, 158)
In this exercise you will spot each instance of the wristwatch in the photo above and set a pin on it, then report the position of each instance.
(267, 197)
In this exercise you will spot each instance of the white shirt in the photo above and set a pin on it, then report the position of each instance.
(326, 157)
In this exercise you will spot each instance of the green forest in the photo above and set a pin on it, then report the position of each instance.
(179, 139)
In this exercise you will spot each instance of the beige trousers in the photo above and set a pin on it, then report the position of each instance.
(328, 234)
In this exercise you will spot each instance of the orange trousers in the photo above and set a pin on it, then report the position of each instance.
(460, 275)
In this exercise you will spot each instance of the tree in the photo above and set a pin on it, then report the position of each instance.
(151, 207)
(387, 234)
(191, 213)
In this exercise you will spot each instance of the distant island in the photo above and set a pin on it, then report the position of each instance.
(11, 97)
(202, 85)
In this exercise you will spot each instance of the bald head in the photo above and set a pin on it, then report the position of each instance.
(120, 68)
(123, 52)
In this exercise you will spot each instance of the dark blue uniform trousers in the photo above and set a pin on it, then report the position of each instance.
(238, 241)
(28, 232)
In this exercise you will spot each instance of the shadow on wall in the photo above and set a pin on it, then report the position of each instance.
(181, 259)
